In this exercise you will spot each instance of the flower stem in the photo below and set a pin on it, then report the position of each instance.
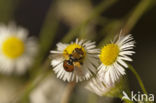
(128, 22)
(23, 94)
(46, 38)
(7, 10)
(136, 14)
(125, 100)
(92, 98)
(104, 5)
(138, 78)
(67, 92)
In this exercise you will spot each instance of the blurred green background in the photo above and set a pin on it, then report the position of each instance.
(60, 18)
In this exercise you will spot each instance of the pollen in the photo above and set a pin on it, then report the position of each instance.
(70, 48)
(13, 47)
(109, 54)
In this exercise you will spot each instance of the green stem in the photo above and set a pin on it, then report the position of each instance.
(47, 36)
(138, 78)
(128, 23)
(125, 100)
(92, 98)
(42, 73)
(7, 9)
(104, 5)
(136, 14)
(112, 28)
(67, 92)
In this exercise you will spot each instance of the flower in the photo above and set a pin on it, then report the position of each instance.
(76, 61)
(113, 57)
(16, 50)
(96, 86)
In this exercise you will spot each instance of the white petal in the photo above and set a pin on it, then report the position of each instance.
(55, 52)
(122, 63)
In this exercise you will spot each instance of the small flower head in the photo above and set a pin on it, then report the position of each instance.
(113, 57)
(97, 87)
(76, 61)
(16, 50)
(109, 53)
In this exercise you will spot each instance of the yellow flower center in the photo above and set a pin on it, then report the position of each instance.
(70, 48)
(13, 47)
(109, 54)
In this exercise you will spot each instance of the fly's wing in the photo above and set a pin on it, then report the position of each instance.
(78, 69)
(56, 56)
(56, 59)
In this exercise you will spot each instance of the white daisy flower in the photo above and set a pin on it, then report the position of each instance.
(76, 61)
(113, 57)
(97, 87)
(16, 50)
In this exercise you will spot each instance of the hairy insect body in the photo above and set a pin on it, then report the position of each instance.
(74, 61)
